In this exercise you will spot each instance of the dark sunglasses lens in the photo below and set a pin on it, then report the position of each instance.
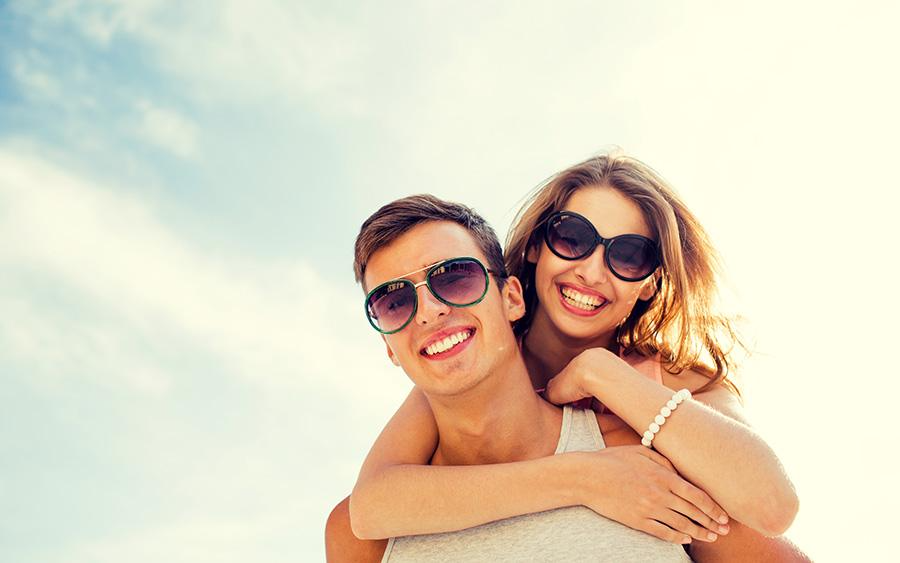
(391, 305)
(459, 282)
(570, 236)
(632, 257)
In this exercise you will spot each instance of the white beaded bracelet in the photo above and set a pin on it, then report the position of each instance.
(664, 413)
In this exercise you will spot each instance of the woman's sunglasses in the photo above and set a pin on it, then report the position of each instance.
(458, 282)
(573, 237)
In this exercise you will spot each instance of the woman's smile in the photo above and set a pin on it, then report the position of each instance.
(581, 302)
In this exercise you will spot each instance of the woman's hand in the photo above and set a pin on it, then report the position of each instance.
(638, 487)
(576, 380)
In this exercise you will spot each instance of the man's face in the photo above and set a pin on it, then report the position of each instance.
(490, 341)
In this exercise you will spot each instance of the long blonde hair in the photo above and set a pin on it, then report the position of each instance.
(680, 321)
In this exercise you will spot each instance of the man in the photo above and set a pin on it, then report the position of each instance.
(439, 295)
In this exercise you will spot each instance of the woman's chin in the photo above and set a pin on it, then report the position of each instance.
(578, 329)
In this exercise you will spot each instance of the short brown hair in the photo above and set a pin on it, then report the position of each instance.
(392, 220)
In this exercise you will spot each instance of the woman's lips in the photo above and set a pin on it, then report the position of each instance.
(576, 303)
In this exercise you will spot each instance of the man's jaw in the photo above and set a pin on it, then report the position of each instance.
(447, 342)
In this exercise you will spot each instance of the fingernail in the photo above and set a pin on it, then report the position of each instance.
(723, 519)
(711, 536)
(686, 539)
(723, 529)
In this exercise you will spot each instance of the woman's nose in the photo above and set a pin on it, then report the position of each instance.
(592, 270)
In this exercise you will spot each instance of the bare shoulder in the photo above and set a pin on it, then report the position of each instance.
(410, 437)
(718, 396)
(690, 379)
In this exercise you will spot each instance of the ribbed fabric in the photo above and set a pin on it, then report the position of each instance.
(564, 534)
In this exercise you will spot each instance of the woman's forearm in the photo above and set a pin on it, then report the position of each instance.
(398, 493)
(720, 455)
(744, 544)
(418, 499)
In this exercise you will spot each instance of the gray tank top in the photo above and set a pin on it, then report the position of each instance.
(568, 534)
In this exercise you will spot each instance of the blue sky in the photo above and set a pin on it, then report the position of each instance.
(185, 372)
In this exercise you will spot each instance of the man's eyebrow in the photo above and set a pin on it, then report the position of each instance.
(407, 274)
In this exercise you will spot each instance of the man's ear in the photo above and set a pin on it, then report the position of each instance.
(390, 352)
(513, 299)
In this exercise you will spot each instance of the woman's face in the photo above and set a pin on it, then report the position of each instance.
(581, 298)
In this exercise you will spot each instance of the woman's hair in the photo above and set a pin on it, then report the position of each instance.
(680, 321)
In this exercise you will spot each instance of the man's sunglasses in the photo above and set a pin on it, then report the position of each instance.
(458, 282)
(572, 237)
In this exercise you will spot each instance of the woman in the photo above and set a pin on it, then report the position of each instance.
(625, 325)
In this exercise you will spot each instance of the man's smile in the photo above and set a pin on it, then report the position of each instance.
(447, 342)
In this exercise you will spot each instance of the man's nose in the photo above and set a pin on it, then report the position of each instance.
(430, 307)
(592, 270)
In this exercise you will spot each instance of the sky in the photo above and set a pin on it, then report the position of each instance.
(186, 373)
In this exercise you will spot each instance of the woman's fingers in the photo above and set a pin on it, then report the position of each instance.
(649, 495)
(563, 388)
(682, 506)
(696, 504)
(680, 523)
(699, 499)
(663, 532)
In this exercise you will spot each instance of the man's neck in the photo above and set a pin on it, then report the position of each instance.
(500, 420)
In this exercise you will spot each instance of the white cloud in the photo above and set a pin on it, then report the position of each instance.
(28, 70)
(146, 289)
(197, 539)
(167, 129)
(226, 50)
(56, 344)
(101, 20)
(98, 294)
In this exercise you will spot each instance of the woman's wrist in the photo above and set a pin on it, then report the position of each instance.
(569, 473)
(599, 377)
(601, 371)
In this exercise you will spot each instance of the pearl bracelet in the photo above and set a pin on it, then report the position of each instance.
(664, 413)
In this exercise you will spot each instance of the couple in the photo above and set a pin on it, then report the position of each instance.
(466, 469)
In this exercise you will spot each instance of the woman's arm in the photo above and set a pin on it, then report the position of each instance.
(397, 494)
(743, 545)
(719, 454)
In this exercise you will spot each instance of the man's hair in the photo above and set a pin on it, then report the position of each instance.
(394, 219)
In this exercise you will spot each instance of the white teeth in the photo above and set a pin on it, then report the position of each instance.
(580, 300)
(447, 343)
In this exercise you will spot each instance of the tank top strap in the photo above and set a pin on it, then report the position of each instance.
(580, 431)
